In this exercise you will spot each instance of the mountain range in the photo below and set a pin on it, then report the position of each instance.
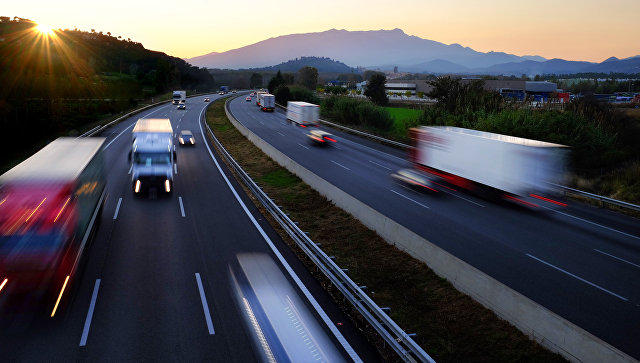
(386, 49)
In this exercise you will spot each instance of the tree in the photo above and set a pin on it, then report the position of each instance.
(375, 90)
(308, 77)
(255, 80)
(275, 82)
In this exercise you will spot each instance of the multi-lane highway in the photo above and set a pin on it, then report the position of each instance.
(195, 276)
(580, 262)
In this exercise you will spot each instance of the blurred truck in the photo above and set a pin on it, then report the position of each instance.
(179, 97)
(152, 156)
(521, 170)
(258, 97)
(303, 113)
(50, 205)
(266, 101)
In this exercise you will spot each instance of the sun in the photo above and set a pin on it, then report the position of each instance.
(44, 29)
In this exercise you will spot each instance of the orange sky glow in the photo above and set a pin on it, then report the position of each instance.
(586, 30)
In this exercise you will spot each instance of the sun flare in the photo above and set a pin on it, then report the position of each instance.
(44, 29)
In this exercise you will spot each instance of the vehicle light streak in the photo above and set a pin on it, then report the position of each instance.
(31, 215)
(60, 296)
(520, 201)
(330, 139)
(137, 186)
(167, 186)
(548, 200)
(62, 209)
(3, 283)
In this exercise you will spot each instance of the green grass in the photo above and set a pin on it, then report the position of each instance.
(403, 114)
(280, 178)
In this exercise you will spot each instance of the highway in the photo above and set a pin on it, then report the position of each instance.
(169, 278)
(581, 262)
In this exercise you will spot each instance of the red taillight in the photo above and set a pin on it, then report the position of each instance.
(548, 200)
(532, 205)
(302, 126)
(330, 139)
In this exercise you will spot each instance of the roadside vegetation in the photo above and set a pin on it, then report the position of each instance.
(450, 326)
(58, 84)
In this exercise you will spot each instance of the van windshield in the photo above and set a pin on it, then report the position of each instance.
(147, 158)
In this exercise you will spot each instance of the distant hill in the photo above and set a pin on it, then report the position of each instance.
(386, 49)
(322, 64)
(356, 48)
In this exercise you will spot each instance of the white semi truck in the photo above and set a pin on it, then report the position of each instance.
(303, 113)
(521, 170)
(179, 97)
(266, 101)
(152, 156)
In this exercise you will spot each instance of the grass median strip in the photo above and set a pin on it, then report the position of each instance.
(449, 325)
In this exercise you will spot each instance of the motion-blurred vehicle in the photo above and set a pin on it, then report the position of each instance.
(186, 138)
(152, 156)
(415, 178)
(179, 97)
(248, 99)
(320, 137)
(279, 323)
(49, 209)
(234, 91)
(515, 169)
(181, 106)
(266, 101)
(252, 94)
(206, 99)
(221, 93)
(303, 113)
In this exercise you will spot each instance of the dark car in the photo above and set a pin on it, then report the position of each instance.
(206, 99)
(186, 138)
(248, 99)
(182, 106)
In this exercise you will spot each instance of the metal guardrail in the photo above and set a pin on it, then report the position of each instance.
(388, 330)
(100, 128)
(604, 200)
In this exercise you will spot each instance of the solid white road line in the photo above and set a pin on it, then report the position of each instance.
(325, 318)
(579, 278)
(87, 322)
(115, 215)
(181, 206)
(404, 196)
(595, 224)
(130, 169)
(303, 146)
(340, 165)
(205, 306)
(382, 166)
(617, 258)
(175, 168)
(280, 133)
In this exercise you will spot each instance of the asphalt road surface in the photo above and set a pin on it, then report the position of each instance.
(169, 278)
(581, 262)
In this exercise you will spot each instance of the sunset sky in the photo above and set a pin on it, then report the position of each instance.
(587, 30)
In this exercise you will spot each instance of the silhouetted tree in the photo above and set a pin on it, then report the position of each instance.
(308, 77)
(255, 80)
(375, 90)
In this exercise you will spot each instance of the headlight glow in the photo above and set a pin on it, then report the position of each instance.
(167, 185)
(137, 189)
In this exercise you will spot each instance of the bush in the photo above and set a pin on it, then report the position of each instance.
(347, 110)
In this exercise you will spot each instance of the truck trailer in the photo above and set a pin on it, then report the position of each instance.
(266, 101)
(49, 206)
(179, 97)
(152, 156)
(303, 113)
(521, 170)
